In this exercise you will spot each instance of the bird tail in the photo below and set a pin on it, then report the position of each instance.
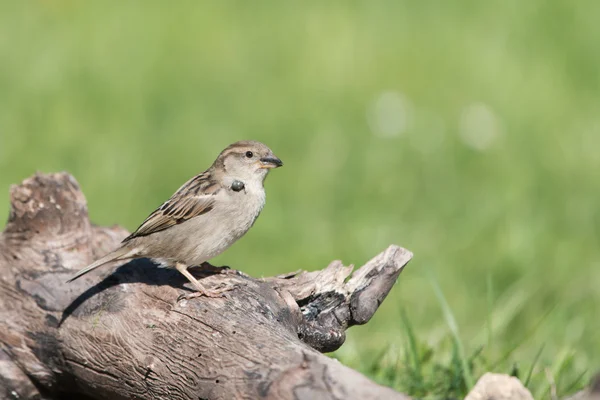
(122, 253)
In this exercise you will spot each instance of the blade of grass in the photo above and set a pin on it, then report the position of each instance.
(451, 322)
(535, 360)
(576, 384)
(412, 347)
(403, 367)
(523, 339)
(506, 307)
(549, 384)
(490, 306)
(377, 362)
(563, 369)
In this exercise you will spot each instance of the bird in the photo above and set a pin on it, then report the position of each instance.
(204, 217)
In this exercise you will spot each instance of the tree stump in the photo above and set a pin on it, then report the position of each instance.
(123, 335)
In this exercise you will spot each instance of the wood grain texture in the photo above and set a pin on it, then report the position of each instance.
(121, 334)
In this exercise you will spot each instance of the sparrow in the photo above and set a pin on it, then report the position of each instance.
(203, 217)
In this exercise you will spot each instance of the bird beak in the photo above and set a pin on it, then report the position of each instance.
(270, 162)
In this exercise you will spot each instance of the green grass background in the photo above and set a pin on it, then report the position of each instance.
(465, 131)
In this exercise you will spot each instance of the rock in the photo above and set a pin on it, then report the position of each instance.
(499, 387)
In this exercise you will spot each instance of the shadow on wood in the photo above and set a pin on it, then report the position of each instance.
(122, 334)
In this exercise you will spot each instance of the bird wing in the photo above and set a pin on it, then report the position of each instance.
(194, 198)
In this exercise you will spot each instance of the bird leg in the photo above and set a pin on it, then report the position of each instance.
(201, 290)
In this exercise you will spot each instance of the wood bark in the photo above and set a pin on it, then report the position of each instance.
(122, 334)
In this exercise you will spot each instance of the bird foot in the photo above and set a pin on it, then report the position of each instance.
(217, 292)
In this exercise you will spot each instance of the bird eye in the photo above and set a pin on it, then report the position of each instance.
(249, 154)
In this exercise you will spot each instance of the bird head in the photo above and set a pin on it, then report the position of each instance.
(247, 160)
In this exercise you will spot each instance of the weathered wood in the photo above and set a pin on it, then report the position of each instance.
(123, 335)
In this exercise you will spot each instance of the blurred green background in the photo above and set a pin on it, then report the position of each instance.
(467, 132)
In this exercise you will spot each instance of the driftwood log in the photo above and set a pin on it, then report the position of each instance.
(124, 335)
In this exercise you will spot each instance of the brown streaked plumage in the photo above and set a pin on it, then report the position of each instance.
(194, 198)
(204, 216)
